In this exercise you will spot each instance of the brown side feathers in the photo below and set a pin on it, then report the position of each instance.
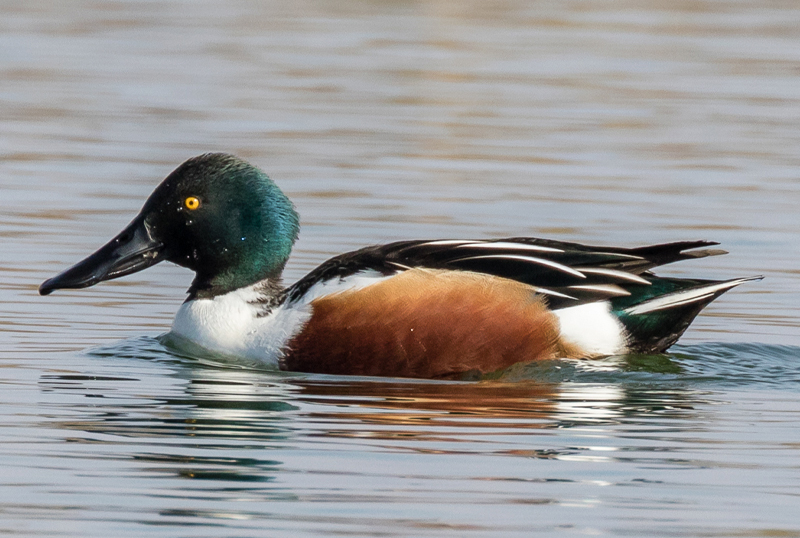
(426, 324)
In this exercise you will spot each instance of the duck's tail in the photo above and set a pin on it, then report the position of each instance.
(656, 316)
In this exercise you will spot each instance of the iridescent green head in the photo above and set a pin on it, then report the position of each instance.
(215, 214)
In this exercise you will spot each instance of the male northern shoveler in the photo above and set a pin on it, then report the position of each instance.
(429, 309)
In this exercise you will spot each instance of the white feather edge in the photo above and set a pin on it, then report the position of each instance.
(446, 242)
(608, 289)
(680, 298)
(529, 259)
(622, 275)
(505, 245)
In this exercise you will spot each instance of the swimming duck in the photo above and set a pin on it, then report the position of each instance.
(423, 308)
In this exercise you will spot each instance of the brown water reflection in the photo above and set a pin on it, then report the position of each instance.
(432, 405)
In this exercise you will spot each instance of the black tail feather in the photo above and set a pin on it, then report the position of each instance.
(665, 253)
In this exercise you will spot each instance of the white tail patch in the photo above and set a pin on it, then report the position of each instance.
(681, 298)
(592, 328)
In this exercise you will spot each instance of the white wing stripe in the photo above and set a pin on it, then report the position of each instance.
(622, 275)
(530, 259)
(446, 242)
(505, 245)
(545, 291)
(610, 289)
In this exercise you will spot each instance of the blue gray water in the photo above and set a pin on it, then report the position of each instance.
(621, 123)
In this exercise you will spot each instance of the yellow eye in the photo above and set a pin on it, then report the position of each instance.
(192, 203)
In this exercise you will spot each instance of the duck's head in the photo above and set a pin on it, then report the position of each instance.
(215, 214)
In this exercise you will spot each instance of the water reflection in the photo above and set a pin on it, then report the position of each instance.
(241, 408)
(208, 444)
(228, 402)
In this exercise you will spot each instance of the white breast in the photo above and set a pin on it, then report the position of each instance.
(229, 324)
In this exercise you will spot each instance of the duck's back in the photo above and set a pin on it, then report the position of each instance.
(437, 309)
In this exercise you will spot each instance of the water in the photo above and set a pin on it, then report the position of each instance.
(620, 123)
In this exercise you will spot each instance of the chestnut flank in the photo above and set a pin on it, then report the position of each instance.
(426, 324)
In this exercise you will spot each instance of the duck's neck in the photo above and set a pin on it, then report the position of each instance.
(254, 268)
(269, 291)
(255, 249)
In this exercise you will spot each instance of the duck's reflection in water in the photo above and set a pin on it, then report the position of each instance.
(425, 410)
(234, 425)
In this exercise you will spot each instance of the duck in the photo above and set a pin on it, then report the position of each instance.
(428, 308)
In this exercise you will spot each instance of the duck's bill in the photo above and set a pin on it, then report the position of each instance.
(132, 250)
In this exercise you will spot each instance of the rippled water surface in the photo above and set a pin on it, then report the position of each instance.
(602, 122)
